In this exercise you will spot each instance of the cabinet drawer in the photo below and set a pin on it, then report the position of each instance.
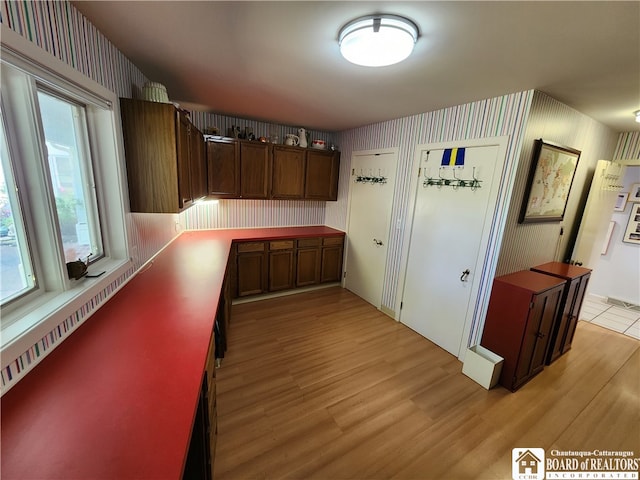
(245, 247)
(281, 245)
(332, 241)
(309, 242)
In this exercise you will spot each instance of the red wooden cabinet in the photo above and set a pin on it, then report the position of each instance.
(576, 280)
(520, 318)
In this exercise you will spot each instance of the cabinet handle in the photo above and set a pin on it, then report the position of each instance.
(465, 274)
(378, 242)
(540, 335)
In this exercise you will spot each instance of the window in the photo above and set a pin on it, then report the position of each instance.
(16, 274)
(71, 175)
(62, 192)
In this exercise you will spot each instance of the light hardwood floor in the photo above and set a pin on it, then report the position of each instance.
(321, 385)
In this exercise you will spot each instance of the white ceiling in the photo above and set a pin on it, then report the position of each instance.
(279, 61)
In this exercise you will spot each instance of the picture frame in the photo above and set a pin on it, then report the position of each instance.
(634, 193)
(549, 184)
(632, 233)
(621, 202)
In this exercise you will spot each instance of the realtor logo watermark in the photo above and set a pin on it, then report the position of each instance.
(535, 464)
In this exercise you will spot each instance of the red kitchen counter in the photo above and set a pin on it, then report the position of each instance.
(117, 398)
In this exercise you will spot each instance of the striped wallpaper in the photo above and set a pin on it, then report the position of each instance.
(487, 118)
(628, 146)
(526, 245)
(58, 28)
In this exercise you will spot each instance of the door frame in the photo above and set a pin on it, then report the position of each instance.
(362, 153)
(491, 238)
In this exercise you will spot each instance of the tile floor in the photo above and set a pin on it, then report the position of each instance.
(623, 320)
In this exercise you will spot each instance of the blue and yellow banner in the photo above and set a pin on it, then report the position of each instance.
(453, 157)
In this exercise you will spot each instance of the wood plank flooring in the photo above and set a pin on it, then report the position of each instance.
(321, 385)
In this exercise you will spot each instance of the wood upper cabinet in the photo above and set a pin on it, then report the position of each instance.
(255, 169)
(198, 164)
(163, 161)
(520, 318)
(576, 280)
(288, 167)
(322, 169)
(223, 166)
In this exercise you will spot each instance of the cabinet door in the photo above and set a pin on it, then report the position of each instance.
(321, 176)
(254, 170)
(223, 162)
(198, 164)
(308, 266)
(184, 167)
(572, 322)
(287, 179)
(535, 342)
(281, 270)
(331, 269)
(150, 143)
(251, 268)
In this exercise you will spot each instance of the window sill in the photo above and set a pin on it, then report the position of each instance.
(26, 326)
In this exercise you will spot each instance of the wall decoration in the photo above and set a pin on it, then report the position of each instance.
(607, 238)
(634, 194)
(632, 233)
(621, 202)
(549, 183)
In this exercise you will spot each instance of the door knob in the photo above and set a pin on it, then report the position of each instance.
(378, 242)
(465, 274)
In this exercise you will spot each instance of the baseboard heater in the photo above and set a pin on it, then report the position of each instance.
(623, 304)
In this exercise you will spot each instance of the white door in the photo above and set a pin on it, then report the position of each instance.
(450, 226)
(371, 192)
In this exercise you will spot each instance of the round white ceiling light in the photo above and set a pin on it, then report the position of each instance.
(377, 40)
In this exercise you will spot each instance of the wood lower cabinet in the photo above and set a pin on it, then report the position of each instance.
(520, 318)
(271, 266)
(223, 168)
(308, 261)
(332, 251)
(576, 280)
(281, 265)
(251, 268)
(204, 433)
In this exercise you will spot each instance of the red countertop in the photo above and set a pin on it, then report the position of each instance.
(117, 398)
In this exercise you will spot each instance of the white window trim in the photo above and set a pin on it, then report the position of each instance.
(27, 324)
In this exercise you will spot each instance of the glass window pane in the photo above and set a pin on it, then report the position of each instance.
(71, 177)
(16, 275)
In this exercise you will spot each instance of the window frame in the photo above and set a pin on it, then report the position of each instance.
(26, 322)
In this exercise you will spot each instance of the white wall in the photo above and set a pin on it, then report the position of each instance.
(617, 273)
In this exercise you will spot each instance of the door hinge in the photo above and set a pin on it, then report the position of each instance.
(401, 305)
(344, 275)
(531, 306)
(353, 172)
(419, 171)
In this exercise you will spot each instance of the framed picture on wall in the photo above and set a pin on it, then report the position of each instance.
(634, 194)
(621, 202)
(549, 183)
(632, 233)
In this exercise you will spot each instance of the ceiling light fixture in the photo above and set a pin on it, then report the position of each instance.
(377, 40)
(637, 114)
